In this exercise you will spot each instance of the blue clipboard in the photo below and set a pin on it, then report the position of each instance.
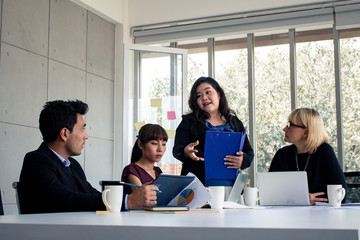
(218, 144)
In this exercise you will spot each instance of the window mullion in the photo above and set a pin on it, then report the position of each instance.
(252, 119)
(338, 93)
(293, 72)
(211, 57)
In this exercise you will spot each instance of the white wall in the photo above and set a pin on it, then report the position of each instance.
(61, 52)
(112, 10)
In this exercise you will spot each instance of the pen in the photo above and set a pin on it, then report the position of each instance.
(134, 185)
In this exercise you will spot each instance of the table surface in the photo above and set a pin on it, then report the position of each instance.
(310, 221)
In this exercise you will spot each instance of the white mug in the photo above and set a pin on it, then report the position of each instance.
(112, 197)
(336, 194)
(217, 195)
(251, 196)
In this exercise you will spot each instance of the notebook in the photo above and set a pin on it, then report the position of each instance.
(283, 188)
(166, 208)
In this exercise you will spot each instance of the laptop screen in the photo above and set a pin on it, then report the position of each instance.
(283, 188)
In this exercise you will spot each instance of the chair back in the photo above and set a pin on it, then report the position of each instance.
(17, 185)
(353, 187)
(1, 205)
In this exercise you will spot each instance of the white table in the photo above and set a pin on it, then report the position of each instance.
(313, 222)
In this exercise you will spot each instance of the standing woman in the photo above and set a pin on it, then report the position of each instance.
(148, 149)
(209, 111)
(309, 152)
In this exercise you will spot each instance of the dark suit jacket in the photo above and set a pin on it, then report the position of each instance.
(48, 186)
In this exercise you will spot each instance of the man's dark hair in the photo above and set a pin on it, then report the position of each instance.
(57, 115)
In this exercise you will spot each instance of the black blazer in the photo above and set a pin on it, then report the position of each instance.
(188, 131)
(48, 186)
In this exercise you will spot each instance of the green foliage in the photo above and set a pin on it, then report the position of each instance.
(350, 70)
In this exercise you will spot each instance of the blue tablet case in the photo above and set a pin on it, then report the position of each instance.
(170, 186)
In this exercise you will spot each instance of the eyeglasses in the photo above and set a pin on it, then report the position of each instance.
(290, 124)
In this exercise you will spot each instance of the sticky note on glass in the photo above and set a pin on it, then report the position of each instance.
(138, 125)
(171, 115)
(170, 133)
(156, 102)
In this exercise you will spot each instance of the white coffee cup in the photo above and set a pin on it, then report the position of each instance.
(112, 197)
(217, 195)
(336, 194)
(251, 196)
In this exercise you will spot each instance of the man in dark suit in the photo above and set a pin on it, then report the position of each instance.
(51, 180)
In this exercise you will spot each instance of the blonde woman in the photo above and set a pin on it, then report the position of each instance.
(309, 152)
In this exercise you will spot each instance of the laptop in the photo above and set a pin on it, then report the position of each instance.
(283, 188)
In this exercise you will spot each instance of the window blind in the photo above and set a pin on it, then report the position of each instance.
(347, 16)
(243, 24)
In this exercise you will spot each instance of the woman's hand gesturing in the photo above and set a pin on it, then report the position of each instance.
(190, 151)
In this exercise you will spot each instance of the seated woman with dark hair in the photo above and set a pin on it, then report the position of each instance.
(148, 149)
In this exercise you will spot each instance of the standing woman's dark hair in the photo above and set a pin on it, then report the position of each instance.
(147, 133)
(201, 115)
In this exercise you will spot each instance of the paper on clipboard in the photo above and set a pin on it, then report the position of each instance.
(218, 144)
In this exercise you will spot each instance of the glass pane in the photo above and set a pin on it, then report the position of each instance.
(272, 99)
(197, 61)
(159, 101)
(197, 67)
(316, 82)
(350, 72)
(231, 73)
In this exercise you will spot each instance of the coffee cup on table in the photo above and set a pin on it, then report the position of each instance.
(336, 194)
(217, 195)
(112, 197)
(251, 196)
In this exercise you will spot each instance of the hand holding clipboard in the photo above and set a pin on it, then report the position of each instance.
(235, 161)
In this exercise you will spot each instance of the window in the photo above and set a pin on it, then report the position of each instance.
(275, 95)
(197, 61)
(316, 81)
(157, 75)
(231, 74)
(350, 72)
(315, 85)
(158, 97)
(272, 96)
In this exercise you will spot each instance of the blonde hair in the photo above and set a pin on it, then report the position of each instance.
(311, 119)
